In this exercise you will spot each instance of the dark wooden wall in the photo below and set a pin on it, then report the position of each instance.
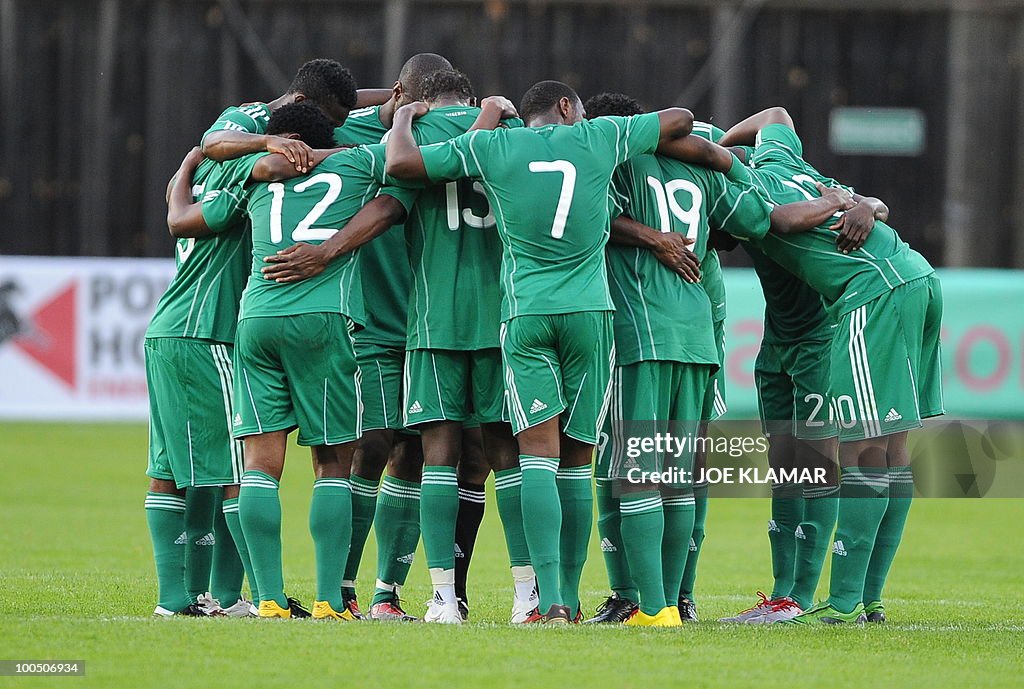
(101, 98)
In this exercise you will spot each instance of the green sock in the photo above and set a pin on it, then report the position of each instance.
(230, 510)
(675, 544)
(576, 496)
(228, 573)
(508, 491)
(200, 510)
(439, 508)
(813, 536)
(364, 506)
(700, 511)
(643, 526)
(165, 515)
(608, 528)
(890, 532)
(259, 512)
(863, 497)
(397, 527)
(544, 525)
(330, 525)
(787, 511)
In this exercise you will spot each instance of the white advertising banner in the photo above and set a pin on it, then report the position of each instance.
(71, 332)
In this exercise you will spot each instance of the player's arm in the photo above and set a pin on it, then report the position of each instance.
(302, 260)
(403, 157)
(277, 167)
(745, 132)
(493, 110)
(670, 248)
(793, 218)
(228, 144)
(367, 97)
(674, 124)
(185, 218)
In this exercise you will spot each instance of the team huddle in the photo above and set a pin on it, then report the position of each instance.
(430, 289)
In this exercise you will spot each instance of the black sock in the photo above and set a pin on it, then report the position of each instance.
(471, 513)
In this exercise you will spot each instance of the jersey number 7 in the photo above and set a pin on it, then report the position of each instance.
(568, 172)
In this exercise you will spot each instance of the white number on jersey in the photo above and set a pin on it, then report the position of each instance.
(305, 231)
(568, 172)
(665, 197)
(469, 218)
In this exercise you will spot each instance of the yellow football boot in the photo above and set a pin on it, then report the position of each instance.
(666, 617)
(270, 608)
(322, 610)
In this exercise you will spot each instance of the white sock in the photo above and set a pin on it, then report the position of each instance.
(444, 584)
(525, 582)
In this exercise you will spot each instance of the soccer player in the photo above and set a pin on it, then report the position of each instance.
(547, 185)
(199, 310)
(296, 364)
(393, 509)
(887, 304)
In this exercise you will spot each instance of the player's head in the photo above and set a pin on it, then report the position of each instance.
(551, 102)
(612, 104)
(329, 85)
(409, 86)
(446, 84)
(303, 121)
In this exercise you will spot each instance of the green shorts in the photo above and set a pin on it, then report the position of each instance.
(792, 389)
(651, 397)
(190, 401)
(297, 372)
(380, 368)
(714, 395)
(559, 363)
(886, 374)
(453, 385)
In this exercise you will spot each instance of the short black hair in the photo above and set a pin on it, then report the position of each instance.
(446, 82)
(325, 82)
(612, 104)
(543, 96)
(305, 119)
(417, 68)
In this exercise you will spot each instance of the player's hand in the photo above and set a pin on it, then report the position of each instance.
(673, 253)
(298, 154)
(502, 104)
(192, 159)
(296, 263)
(841, 197)
(413, 110)
(854, 227)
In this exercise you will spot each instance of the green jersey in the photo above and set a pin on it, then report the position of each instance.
(384, 262)
(251, 118)
(659, 316)
(202, 299)
(845, 281)
(455, 252)
(711, 268)
(312, 208)
(548, 189)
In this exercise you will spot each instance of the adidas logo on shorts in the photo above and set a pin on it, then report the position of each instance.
(208, 539)
(238, 420)
(893, 415)
(772, 526)
(607, 546)
(693, 546)
(406, 559)
(839, 549)
(182, 539)
(537, 406)
(416, 408)
(458, 551)
(799, 533)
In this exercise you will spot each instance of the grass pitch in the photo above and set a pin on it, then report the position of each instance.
(77, 583)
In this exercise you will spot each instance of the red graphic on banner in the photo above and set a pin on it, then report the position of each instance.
(50, 339)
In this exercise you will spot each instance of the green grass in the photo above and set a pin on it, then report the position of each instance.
(76, 582)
